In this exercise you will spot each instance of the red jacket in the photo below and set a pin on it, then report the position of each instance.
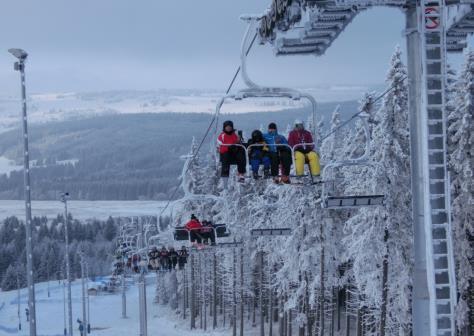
(299, 137)
(227, 139)
(193, 224)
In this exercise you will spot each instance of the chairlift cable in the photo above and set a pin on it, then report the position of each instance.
(358, 113)
(208, 128)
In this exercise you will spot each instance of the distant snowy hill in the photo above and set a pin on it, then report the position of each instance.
(47, 107)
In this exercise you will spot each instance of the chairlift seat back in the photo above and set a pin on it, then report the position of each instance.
(181, 234)
(221, 230)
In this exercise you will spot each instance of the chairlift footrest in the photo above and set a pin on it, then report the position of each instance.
(353, 201)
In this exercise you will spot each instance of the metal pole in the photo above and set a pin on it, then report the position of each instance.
(124, 295)
(420, 304)
(47, 273)
(142, 286)
(88, 303)
(64, 306)
(27, 185)
(19, 304)
(83, 285)
(68, 268)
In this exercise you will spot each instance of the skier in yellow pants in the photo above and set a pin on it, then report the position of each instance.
(311, 158)
(301, 141)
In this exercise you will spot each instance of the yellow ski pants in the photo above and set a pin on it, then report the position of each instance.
(312, 158)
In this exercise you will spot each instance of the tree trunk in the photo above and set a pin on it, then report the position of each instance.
(193, 294)
(262, 309)
(383, 309)
(241, 292)
(214, 292)
(322, 296)
(234, 294)
(348, 317)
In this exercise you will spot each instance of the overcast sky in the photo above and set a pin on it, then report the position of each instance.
(91, 45)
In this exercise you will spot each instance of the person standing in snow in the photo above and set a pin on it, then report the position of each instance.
(154, 256)
(301, 141)
(230, 154)
(194, 227)
(164, 258)
(182, 257)
(173, 258)
(280, 155)
(259, 155)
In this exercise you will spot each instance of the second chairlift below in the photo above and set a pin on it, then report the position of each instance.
(198, 232)
(271, 150)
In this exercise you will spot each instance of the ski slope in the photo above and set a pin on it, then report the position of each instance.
(105, 313)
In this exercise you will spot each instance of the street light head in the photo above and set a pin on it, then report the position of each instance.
(18, 53)
(64, 197)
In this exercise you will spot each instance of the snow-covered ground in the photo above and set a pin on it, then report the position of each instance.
(82, 209)
(105, 313)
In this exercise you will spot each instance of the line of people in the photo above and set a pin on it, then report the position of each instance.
(167, 260)
(272, 150)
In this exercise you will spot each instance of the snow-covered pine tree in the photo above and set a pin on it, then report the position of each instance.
(332, 145)
(191, 178)
(461, 167)
(380, 243)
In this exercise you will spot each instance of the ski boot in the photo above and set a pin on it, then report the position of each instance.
(241, 178)
(266, 173)
(285, 179)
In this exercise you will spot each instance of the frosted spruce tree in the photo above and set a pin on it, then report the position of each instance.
(461, 167)
(380, 239)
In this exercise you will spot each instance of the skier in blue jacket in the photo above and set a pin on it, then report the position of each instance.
(280, 155)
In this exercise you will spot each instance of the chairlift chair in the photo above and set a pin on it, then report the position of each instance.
(220, 230)
(331, 198)
(256, 91)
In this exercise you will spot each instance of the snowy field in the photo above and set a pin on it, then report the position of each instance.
(105, 313)
(48, 107)
(82, 209)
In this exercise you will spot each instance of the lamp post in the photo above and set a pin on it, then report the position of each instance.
(83, 285)
(88, 303)
(64, 198)
(64, 306)
(21, 55)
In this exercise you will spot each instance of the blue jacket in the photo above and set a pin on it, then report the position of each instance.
(274, 138)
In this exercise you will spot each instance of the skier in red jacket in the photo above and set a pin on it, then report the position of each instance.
(229, 154)
(194, 226)
(301, 141)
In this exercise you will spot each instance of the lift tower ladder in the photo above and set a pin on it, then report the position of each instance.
(440, 264)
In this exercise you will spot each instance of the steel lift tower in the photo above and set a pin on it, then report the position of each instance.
(433, 28)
